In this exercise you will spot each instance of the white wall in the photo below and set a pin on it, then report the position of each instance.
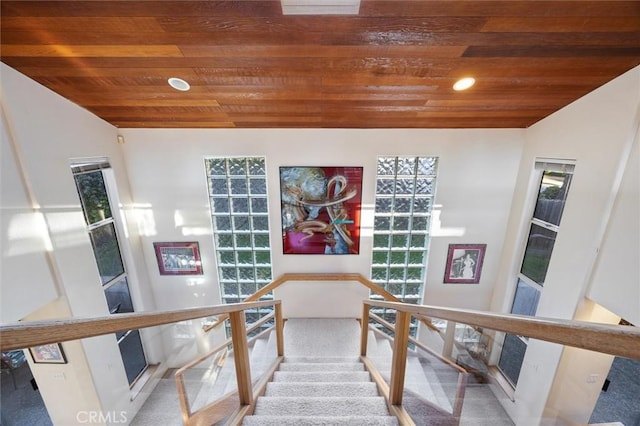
(26, 275)
(616, 280)
(580, 375)
(476, 175)
(48, 131)
(596, 131)
(66, 389)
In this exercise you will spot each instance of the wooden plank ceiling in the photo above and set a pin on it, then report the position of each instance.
(390, 66)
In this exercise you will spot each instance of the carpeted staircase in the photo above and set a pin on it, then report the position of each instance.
(321, 381)
(321, 391)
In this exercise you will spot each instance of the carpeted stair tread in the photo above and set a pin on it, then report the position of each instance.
(321, 406)
(315, 366)
(327, 389)
(321, 359)
(320, 421)
(318, 376)
(322, 337)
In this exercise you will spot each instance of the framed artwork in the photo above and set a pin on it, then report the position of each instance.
(464, 263)
(48, 354)
(321, 209)
(178, 258)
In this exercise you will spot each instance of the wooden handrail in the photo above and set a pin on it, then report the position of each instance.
(415, 342)
(320, 277)
(619, 340)
(25, 334)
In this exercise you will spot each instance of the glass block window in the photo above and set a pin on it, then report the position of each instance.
(405, 188)
(553, 187)
(240, 220)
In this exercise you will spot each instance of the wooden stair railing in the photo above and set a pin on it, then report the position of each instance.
(618, 340)
(35, 333)
(20, 335)
(319, 277)
(615, 340)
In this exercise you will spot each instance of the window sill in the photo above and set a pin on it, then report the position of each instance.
(502, 383)
(141, 381)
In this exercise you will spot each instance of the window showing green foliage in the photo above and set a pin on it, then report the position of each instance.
(93, 195)
(554, 183)
(101, 226)
(107, 252)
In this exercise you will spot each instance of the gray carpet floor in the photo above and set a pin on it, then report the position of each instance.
(621, 401)
(22, 405)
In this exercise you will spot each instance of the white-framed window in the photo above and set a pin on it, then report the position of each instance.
(240, 221)
(554, 180)
(405, 189)
(93, 185)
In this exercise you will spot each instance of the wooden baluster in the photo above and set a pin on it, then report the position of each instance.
(461, 388)
(241, 357)
(183, 398)
(364, 325)
(399, 360)
(279, 329)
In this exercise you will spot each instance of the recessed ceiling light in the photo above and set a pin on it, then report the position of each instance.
(464, 83)
(179, 84)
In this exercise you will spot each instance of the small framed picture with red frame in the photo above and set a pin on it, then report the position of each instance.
(178, 258)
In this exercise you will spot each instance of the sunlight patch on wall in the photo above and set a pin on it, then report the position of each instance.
(366, 220)
(142, 214)
(28, 233)
(437, 230)
(191, 224)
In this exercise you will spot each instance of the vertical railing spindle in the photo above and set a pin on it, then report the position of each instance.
(365, 329)
(279, 329)
(241, 357)
(399, 360)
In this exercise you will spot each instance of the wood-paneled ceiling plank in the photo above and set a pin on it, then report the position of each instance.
(500, 8)
(118, 103)
(140, 74)
(520, 24)
(319, 51)
(208, 124)
(538, 51)
(294, 24)
(89, 51)
(108, 23)
(92, 8)
(255, 39)
(386, 8)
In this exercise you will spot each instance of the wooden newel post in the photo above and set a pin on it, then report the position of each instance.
(364, 325)
(241, 357)
(399, 360)
(279, 329)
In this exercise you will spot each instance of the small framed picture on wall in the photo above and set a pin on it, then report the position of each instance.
(464, 263)
(178, 258)
(48, 354)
